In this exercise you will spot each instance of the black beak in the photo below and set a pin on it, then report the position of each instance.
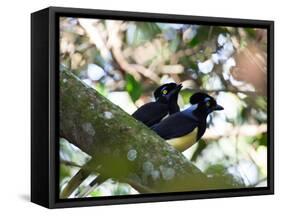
(218, 107)
(178, 88)
(174, 93)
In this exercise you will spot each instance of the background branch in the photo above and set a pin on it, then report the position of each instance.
(115, 43)
(235, 91)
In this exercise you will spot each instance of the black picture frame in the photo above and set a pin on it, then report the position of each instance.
(45, 116)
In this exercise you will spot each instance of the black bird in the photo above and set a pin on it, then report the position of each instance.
(185, 128)
(166, 97)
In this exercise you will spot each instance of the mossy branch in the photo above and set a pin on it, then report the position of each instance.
(120, 146)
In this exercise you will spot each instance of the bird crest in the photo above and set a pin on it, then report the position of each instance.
(164, 89)
(199, 97)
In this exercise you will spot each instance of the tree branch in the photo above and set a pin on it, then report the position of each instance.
(69, 163)
(121, 147)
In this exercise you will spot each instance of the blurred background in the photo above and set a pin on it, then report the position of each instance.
(125, 61)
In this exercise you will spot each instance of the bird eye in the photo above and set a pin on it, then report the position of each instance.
(208, 103)
(164, 92)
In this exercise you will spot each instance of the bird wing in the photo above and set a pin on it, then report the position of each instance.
(176, 125)
(151, 113)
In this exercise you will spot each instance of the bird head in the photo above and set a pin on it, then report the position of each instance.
(205, 102)
(167, 92)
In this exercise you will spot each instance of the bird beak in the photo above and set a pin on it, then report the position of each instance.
(218, 107)
(178, 88)
(175, 91)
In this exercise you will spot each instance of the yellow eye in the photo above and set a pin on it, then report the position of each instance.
(208, 103)
(164, 92)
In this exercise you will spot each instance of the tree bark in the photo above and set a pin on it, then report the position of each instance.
(120, 146)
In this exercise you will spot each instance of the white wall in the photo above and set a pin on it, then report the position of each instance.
(15, 105)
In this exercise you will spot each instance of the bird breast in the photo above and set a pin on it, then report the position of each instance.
(184, 142)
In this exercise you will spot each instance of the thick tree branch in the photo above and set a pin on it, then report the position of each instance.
(120, 146)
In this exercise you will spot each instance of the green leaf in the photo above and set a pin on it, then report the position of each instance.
(261, 139)
(100, 87)
(261, 102)
(185, 96)
(64, 172)
(194, 42)
(133, 87)
(140, 32)
(96, 193)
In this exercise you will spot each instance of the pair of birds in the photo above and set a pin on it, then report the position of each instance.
(181, 129)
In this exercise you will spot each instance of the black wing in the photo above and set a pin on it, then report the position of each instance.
(151, 113)
(176, 125)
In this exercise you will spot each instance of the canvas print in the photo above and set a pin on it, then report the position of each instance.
(154, 107)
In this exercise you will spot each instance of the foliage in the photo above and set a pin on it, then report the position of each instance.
(133, 87)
